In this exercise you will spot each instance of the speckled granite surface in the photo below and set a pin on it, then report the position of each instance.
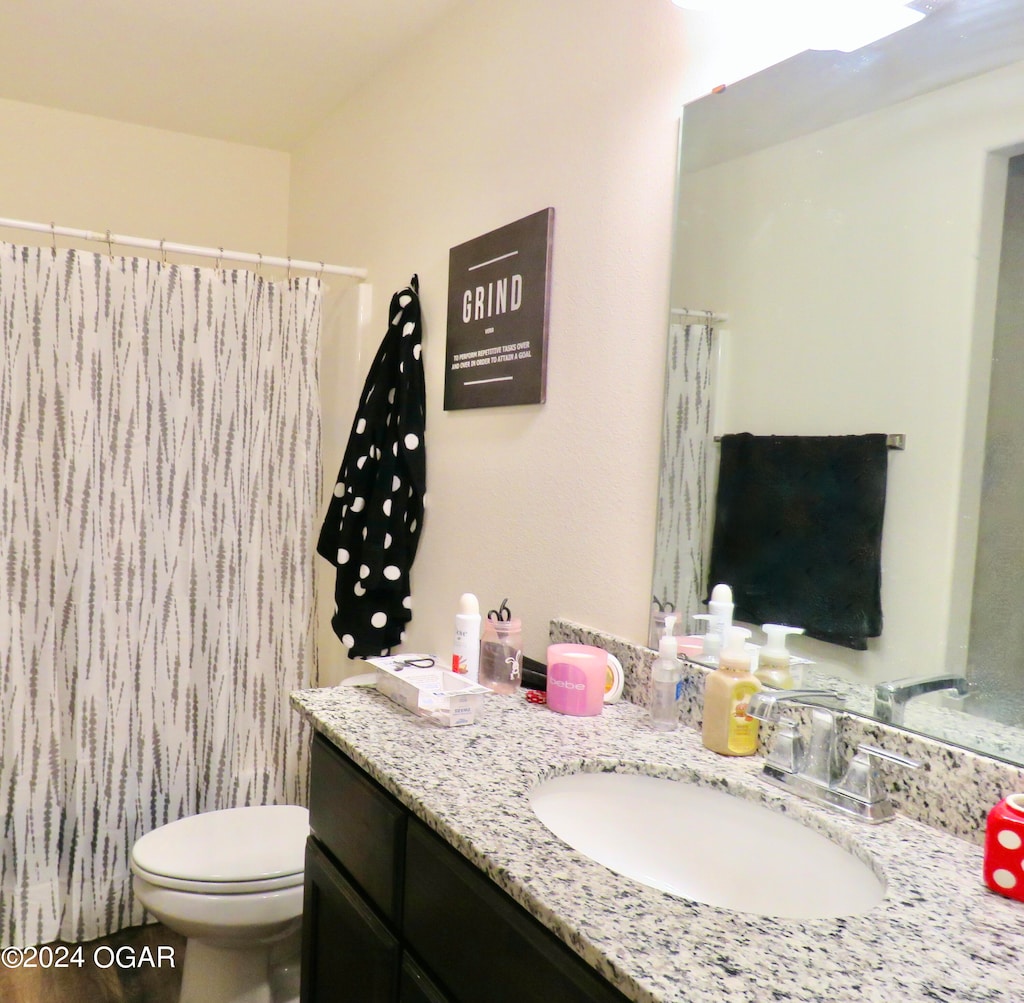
(953, 790)
(939, 934)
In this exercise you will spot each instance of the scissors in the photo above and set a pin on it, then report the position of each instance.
(502, 614)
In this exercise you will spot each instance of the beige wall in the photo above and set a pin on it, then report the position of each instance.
(94, 174)
(503, 110)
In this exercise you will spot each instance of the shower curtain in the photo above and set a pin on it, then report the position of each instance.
(682, 531)
(159, 443)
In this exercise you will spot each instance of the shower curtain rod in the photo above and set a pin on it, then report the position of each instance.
(165, 246)
(685, 311)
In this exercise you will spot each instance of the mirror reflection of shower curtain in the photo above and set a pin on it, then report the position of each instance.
(159, 445)
(685, 489)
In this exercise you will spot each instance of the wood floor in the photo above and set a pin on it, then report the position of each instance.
(140, 965)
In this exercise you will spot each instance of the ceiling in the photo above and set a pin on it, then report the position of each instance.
(261, 72)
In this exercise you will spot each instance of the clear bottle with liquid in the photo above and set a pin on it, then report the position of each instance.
(501, 654)
(666, 680)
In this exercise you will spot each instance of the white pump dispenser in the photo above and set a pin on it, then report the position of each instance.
(666, 675)
(774, 664)
(711, 643)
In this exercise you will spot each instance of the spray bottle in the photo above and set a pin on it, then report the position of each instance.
(466, 647)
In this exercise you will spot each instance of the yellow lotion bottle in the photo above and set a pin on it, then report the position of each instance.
(727, 728)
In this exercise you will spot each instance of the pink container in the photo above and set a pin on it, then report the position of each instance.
(576, 679)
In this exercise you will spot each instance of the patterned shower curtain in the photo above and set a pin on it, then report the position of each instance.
(159, 443)
(682, 531)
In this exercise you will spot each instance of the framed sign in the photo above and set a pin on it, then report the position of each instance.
(499, 288)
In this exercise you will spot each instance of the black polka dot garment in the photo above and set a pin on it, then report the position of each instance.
(374, 520)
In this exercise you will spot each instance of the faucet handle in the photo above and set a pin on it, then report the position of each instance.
(863, 781)
(788, 750)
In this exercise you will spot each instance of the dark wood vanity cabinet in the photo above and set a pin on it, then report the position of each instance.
(393, 914)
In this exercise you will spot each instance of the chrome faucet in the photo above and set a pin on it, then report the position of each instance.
(815, 771)
(891, 697)
(819, 761)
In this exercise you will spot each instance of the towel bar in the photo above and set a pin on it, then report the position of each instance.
(895, 440)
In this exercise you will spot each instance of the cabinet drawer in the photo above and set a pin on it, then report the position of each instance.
(361, 825)
(485, 947)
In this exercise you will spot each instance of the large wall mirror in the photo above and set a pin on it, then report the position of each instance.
(858, 220)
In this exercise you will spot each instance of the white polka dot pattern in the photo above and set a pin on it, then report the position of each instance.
(1004, 838)
(377, 505)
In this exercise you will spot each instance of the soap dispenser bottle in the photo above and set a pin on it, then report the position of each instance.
(666, 681)
(774, 663)
(727, 728)
(711, 643)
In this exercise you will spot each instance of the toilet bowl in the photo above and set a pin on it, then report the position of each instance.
(230, 881)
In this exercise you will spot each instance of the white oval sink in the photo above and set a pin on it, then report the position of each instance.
(706, 845)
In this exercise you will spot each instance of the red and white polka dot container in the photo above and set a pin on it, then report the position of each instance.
(1004, 848)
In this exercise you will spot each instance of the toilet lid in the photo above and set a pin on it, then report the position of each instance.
(244, 845)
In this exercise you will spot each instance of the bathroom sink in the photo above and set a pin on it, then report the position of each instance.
(706, 845)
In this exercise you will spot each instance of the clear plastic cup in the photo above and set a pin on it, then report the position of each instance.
(501, 655)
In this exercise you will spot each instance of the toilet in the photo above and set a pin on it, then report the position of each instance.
(230, 881)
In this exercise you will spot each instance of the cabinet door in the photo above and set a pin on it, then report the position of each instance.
(416, 986)
(348, 955)
(480, 944)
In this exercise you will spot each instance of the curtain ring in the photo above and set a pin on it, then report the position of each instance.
(289, 275)
(110, 247)
(163, 252)
(259, 267)
(53, 239)
(219, 256)
(320, 274)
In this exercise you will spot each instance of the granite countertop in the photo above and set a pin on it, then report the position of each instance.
(939, 934)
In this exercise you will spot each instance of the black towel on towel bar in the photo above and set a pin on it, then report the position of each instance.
(798, 532)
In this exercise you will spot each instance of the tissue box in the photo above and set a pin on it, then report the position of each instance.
(434, 693)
